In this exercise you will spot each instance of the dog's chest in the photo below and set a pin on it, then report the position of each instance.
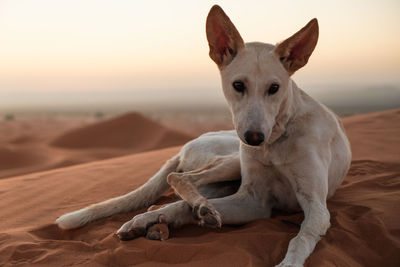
(279, 188)
(267, 181)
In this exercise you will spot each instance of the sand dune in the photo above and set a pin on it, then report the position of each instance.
(364, 214)
(375, 136)
(9, 158)
(31, 145)
(130, 131)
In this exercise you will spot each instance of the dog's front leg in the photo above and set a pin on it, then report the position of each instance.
(311, 194)
(315, 225)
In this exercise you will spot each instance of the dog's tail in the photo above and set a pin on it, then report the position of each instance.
(142, 197)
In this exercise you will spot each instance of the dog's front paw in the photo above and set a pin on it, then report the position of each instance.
(207, 215)
(137, 226)
(130, 231)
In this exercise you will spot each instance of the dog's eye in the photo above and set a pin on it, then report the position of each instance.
(239, 86)
(273, 88)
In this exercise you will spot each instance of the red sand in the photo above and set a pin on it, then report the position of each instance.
(365, 213)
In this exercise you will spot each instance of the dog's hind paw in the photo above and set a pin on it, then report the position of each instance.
(158, 231)
(149, 224)
(207, 215)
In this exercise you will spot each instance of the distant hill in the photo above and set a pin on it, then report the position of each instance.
(360, 100)
(130, 131)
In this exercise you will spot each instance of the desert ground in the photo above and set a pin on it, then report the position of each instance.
(50, 165)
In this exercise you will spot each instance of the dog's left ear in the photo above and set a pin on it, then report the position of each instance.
(223, 38)
(295, 51)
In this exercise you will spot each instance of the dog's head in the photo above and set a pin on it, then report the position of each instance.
(256, 76)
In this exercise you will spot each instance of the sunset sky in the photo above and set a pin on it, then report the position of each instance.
(57, 48)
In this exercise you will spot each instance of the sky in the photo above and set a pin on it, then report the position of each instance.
(56, 51)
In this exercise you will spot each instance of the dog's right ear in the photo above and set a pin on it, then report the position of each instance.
(223, 38)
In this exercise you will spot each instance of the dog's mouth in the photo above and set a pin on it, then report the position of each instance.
(250, 146)
(254, 142)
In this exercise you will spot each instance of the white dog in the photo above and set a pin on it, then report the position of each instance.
(289, 150)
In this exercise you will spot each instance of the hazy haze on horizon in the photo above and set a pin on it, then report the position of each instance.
(98, 51)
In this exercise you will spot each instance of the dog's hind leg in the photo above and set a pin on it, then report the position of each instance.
(224, 168)
(238, 208)
(139, 198)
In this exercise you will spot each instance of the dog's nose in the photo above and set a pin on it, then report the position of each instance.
(254, 138)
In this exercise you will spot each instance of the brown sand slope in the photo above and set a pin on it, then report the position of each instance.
(130, 131)
(33, 145)
(364, 214)
(375, 136)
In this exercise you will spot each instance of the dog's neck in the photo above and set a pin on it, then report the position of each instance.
(287, 112)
